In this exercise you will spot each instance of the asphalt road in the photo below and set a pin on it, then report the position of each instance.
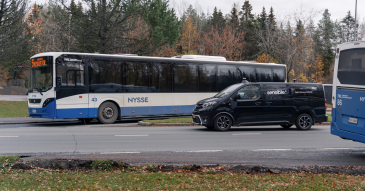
(262, 145)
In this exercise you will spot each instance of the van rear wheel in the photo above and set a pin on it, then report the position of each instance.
(222, 123)
(108, 113)
(304, 121)
(286, 126)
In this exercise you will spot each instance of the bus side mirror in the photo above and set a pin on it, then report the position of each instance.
(14, 74)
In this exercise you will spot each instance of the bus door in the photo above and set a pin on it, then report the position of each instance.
(72, 97)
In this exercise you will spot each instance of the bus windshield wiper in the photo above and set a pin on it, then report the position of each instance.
(38, 90)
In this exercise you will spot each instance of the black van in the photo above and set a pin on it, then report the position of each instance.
(270, 103)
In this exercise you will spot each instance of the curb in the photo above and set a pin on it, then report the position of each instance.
(24, 122)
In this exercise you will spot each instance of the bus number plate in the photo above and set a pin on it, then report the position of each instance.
(353, 120)
(194, 116)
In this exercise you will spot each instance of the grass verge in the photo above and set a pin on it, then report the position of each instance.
(171, 120)
(131, 180)
(7, 161)
(13, 109)
(329, 117)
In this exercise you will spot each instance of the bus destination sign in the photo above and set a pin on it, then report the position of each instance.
(36, 62)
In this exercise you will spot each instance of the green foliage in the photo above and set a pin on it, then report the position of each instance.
(6, 162)
(102, 164)
(13, 109)
(163, 23)
(324, 41)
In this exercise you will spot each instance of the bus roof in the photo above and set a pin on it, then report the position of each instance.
(195, 58)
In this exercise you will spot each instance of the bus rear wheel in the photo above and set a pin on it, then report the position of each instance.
(108, 113)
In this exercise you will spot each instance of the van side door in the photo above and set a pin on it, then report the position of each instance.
(277, 105)
(248, 103)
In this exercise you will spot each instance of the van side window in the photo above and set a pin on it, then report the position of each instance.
(249, 92)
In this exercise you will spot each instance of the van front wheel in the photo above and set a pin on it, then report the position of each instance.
(108, 113)
(222, 122)
(304, 121)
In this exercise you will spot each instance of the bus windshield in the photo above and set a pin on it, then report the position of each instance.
(351, 67)
(227, 91)
(40, 78)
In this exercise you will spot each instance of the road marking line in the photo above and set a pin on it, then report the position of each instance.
(120, 153)
(336, 148)
(248, 134)
(199, 151)
(131, 135)
(7, 136)
(271, 150)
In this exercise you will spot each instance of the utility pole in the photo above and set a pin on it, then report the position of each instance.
(355, 21)
(69, 31)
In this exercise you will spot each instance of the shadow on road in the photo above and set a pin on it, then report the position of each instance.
(259, 128)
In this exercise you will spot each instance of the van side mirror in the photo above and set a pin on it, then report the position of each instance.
(237, 96)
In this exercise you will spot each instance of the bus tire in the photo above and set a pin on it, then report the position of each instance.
(108, 113)
(222, 122)
(304, 122)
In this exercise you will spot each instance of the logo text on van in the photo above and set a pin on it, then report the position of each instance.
(278, 92)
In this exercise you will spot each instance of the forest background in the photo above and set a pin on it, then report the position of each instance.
(153, 28)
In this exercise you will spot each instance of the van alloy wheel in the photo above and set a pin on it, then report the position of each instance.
(222, 123)
(304, 122)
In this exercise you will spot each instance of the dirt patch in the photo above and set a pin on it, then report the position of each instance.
(76, 164)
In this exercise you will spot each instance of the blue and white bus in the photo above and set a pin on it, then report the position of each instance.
(110, 87)
(348, 94)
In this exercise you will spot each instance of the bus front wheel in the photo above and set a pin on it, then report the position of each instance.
(107, 113)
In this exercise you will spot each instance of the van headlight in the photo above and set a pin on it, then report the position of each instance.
(209, 104)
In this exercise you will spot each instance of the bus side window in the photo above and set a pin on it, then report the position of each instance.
(70, 78)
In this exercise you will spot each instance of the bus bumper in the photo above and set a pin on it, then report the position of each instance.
(345, 134)
(44, 112)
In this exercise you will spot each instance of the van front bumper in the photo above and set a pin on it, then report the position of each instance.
(200, 119)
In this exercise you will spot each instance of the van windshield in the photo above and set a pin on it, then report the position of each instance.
(228, 90)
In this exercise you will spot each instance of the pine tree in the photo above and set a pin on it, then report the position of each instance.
(13, 42)
(271, 19)
(262, 19)
(324, 41)
(247, 18)
(347, 24)
(234, 21)
(300, 29)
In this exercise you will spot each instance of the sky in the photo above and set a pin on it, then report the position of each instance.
(282, 8)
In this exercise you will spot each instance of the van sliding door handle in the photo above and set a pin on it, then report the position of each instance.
(257, 103)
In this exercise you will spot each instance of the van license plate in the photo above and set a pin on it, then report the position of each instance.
(194, 116)
(353, 120)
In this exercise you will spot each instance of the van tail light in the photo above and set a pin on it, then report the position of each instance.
(325, 104)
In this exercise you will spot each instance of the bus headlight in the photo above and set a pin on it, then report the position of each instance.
(209, 104)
